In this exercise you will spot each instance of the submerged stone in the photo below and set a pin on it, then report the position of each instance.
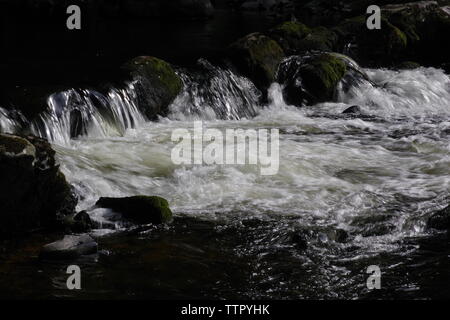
(69, 247)
(139, 209)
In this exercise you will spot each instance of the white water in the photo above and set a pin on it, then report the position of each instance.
(335, 170)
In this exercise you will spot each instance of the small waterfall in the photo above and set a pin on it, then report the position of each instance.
(10, 121)
(406, 93)
(214, 93)
(209, 93)
(74, 113)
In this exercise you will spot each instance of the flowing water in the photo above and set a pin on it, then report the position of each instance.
(238, 234)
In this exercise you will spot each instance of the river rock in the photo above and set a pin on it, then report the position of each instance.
(352, 110)
(378, 47)
(79, 223)
(257, 57)
(426, 25)
(295, 37)
(34, 194)
(70, 247)
(440, 220)
(310, 79)
(139, 209)
(158, 84)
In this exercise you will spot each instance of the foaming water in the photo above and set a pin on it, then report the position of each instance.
(7, 122)
(214, 93)
(85, 112)
(332, 168)
(411, 93)
(377, 176)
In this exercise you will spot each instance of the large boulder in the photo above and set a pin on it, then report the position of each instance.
(139, 209)
(312, 78)
(378, 47)
(34, 194)
(257, 57)
(295, 37)
(426, 25)
(157, 84)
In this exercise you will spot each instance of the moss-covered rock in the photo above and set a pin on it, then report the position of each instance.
(257, 57)
(139, 209)
(295, 37)
(426, 25)
(384, 46)
(34, 194)
(158, 84)
(312, 78)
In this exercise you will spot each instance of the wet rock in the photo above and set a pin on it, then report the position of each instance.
(34, 194)
(139, 209)
(311, 79)
(338, 235)
(70, 247)
(408, 65)
(257, 57)
(352, 110)
(80, 223)
(373, 47)
(440, 220)
(158, 84)
(295, 37)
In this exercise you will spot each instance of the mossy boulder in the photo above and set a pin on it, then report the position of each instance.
(385, 46)
(426, 25)
(34, 194)
(139, 209)
(257, 57)
(295, 37)
(158, 84)
(312, 78)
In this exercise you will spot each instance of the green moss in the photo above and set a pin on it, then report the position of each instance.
(257, 57)
(322, 74)
(157, 70)
(159, 84)
(292, 29)
(295, 37)
(140, 209)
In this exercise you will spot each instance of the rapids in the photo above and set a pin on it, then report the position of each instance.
(377, 176)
